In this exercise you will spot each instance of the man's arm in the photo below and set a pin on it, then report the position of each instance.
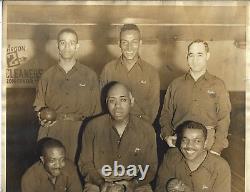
(154, 99)
(223, 179)
(223, 112)
(95, 96)
(39, 102)
(86, 161)
(167, 114)
(166, 170)
(27, 184)
(74, 184)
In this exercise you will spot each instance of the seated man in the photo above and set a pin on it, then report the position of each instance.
(119, 149)
(192, 166)
(53, 173)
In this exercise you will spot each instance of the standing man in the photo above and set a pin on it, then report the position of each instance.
(71, 90)
(197, 96)
(193, 167)
(141, 78)
(53, 173)
(118, 143)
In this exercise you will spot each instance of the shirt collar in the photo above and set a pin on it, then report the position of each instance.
(74, 68)
(206, 76)
(139, 63)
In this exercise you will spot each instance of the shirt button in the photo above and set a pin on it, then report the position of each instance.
(140, 116)
(67, 79)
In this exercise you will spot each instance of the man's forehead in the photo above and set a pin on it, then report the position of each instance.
(67, 35)
(50, 152)
(197, 47)
(193, 133)
(118, 90)
(130, 33)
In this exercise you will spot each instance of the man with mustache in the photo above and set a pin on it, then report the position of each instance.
(118, 137)
(71, 90)
(197, 96)
(54, 173)
(195, 168)
(139, 76)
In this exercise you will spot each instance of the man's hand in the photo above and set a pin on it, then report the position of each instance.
(112, 187)
(128, 185)
(171, 140)
(44, 122)
(176, 185)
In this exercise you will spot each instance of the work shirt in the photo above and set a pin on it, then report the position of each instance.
(205, 101)
(37, 179)
(213, 175)
(75, 94)
(102, 145)
(142, 80)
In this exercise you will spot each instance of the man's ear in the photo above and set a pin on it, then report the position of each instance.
(208, 55)
(77, 46)
(132, 99)
(42, 159)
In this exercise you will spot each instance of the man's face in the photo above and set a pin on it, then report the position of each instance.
(54, 161)
(119, 102)
(67, 45)
(192, 143)
(197, 57)
(130, 43)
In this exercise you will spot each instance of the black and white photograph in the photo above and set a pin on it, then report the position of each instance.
(125, 96)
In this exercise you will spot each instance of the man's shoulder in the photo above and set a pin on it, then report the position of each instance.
(217, 162)
(99, 120)
(215, 79)
(110, 65)
(172, 156)
(86, 70)
(33, 171)
(142, 124)
(70, 167)
(148, 66)
(178, 80)
(49, 72)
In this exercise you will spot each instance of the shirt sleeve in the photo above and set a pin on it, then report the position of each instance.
(223, 180)
(86, 161)
(167, 114)
(95, 92)
(166, 171)
(74, 184)
(150, 159)
(27, 184)
(154, 99)
(223, 113)
(40, 94)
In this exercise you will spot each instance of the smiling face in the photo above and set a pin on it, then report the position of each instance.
(119, 101)
(192, 143)
(67, 45)
(54, 160)
(130, 44)
(197, 57)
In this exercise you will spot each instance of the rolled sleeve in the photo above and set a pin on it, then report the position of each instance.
(86, 161)
(40, 95)
(167, 114)
(223, 111)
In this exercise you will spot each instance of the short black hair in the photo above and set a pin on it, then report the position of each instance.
(199, 41)
(127, 27)
(67, 30)
(48, 143)
(190, 125)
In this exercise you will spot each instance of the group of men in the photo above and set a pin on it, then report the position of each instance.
(119, 151)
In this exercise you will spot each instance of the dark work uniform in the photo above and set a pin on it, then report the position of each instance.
(102, 145)
(205, 101)
(213, 175)
(142, 80)
(37, 179)
(74, 96)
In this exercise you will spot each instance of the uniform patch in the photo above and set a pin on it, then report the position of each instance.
(211, 93)
(204, 187)
(143, 82)
(82, 84)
